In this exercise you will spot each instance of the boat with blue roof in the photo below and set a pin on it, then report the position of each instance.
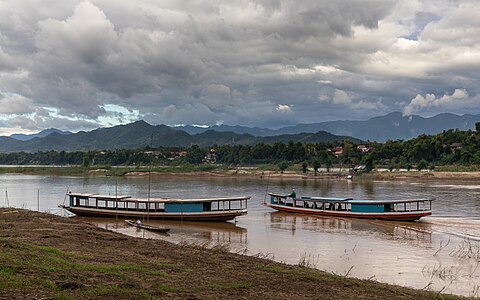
(391, 209)
(200, 209)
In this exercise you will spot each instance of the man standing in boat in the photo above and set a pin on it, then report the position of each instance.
(293, 194)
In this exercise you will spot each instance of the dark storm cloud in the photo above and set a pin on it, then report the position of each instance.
(263, 63)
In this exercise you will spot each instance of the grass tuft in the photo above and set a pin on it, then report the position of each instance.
(7, 271)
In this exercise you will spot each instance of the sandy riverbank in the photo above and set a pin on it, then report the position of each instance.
(273, 175)
(243, 172)
(43, 256)
(426, 175)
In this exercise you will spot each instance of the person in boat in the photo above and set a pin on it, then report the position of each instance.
(293, 194)
(138, 223)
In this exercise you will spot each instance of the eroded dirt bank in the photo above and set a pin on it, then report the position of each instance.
(43, 256)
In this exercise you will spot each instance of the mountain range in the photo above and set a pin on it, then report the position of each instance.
(43, 133)
(140, 134)
(393, 126)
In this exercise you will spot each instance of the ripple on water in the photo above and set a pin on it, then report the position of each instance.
(456, 186)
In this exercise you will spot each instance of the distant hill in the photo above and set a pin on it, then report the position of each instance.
(43, 133)
(135, 135)
(321, 136)
(9, 142)
(140, 134)
(393, 126)
(255, 131)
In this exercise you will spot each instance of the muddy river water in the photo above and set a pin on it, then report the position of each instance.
(440, 253)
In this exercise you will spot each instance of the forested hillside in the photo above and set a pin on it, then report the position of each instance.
(447, 148)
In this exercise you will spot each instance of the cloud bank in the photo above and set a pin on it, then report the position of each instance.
(82, 64)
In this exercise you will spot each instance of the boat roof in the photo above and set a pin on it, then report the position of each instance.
(351, 200)
(282, 195)
(158, 200)
(385, 201)
(178, 200)
(106, 197)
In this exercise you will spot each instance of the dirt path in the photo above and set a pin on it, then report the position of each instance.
(48, 257)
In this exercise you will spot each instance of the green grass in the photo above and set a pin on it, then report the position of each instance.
(112, 269)
(7, 271)
(300, 273)
(13, 281)
(51, 262)
(267, 167)
(156, 273)
(47, 249)
(458, 168)
(59, 171)
(170, 289)
(272, 268)
(61, 296)
(225, 286)
(114, 291)
(56, 263)
(48, 284)
(10, 279)
(238, 285)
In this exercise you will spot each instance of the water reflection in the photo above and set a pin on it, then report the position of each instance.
(369, 189)
(404, 231)
(213, 233)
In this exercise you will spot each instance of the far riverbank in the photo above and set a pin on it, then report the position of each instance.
(262, 172)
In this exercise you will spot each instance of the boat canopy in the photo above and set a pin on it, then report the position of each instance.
(157, 200)
(387, 201)
(195, 200)
(384, 209)
(325, 199)
(100, 197)
(350, 200)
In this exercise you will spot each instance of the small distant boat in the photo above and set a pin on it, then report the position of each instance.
(397, 210)
(218, 209)
(349, 176)
(148, 227)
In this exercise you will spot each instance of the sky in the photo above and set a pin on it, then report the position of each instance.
(78, 65)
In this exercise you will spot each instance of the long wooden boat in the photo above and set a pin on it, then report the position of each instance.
(202, 209)
(399, 210)
(148, 227)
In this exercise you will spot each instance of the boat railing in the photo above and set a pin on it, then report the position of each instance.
(144, 205)
(347, 204)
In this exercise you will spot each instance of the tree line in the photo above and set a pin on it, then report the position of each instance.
(447, 148)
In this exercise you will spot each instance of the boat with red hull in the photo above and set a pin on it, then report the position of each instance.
(217, 209)
(395, 210)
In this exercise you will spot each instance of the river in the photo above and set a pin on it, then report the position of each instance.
(440, 253)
